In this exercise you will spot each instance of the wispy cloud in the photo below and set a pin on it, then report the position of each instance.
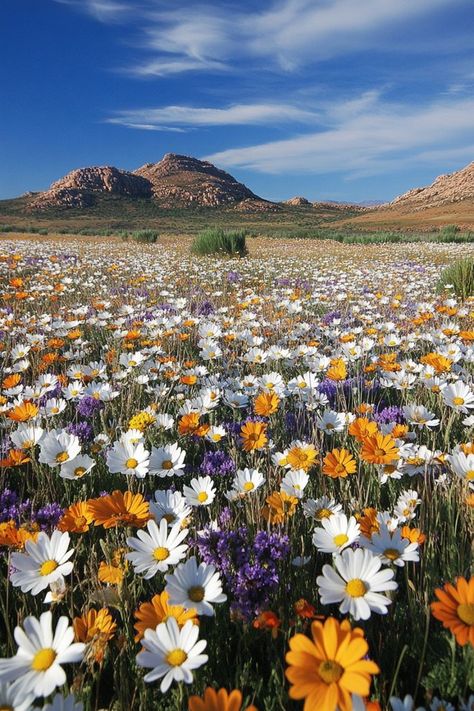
(102, 10)
(284, 35)
(380, 138)
(176, 117)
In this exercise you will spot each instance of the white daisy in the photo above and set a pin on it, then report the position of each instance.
(167, 460)
(77, 468)
(407, 704)
(458, 396)
(44, 561)
(294, 483)
(127, 458)
(201, 492)
(170, 505)
(247, 481)
(357, 584)
(26, 436)
(321, 508)
(13, 698)
(336, 533)
(195, 587)
(41, 652)
(58, 447)
(172, 653)
(157, 549)
(391, 547)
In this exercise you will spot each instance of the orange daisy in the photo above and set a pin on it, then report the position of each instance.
(266, 404)
(362, 428)
(77, 518)
(23, 412)
(301, 456)
(339, 463)
(326, 670)
(279, 507)
(379, 449)
(455, 609)
(221, 700)
(158, 610)
(119, 509)
(253, 435)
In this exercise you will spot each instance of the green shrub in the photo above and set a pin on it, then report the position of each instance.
(459, 276)
(145, 236)
(218, 241)
(449, 230)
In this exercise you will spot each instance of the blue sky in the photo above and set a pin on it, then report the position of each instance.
(330, 99)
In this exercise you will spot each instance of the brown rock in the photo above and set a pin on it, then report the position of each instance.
(297, 200)
(450, 188)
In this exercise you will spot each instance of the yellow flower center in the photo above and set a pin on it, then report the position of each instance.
(79, 471)
(131, 463)
(196, 593)
(470, 474)
(391, 553)
(458, 401)
(249, 485)
(340, 469)
(202, 497)
(62, 457)
(27, 444)
(466, 613)
(322, 513)
(48, 567)
(340, 539)
(167, 464)
(43, 659)
(161, 553)
(169, 518)
(379, 452)
(356, 587)
(330, 671)
(176, 658)
(6, 708)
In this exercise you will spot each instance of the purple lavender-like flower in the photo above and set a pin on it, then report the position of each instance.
(12, 508)
(205, 309)
(233, 277)
(47, 517)
(248, 566)
(217, 464)
(392, 413)
(89, 406)
(83, 430)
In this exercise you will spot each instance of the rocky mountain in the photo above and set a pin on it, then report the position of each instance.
(175, 181)
(296, 201)
(182, 180)
(446, 189)
(80, 187)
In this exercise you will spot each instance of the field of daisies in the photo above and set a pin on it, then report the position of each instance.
(235, 484)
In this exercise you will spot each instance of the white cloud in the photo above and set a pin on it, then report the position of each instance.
(285, 35)
(376, 140)
(234, 115)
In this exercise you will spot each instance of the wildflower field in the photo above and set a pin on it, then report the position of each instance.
(235, 483)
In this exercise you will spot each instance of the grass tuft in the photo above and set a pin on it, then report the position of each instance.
(219, 241)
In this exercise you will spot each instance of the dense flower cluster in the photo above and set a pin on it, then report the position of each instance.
(214, 478)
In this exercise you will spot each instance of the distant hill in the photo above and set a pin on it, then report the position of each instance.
(448, 200)
(446, 189)
(176, 181)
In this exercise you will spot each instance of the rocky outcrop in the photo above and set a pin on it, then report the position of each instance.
(446, 189)
(174, 182)
(80, 187)
(297, 200)
(186, 182)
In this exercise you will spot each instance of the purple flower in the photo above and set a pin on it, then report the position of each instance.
(88, 406)
(47, 517)
(83, 430)
(392, 413)
(217, 464)
(248, 566)
(12, 508)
